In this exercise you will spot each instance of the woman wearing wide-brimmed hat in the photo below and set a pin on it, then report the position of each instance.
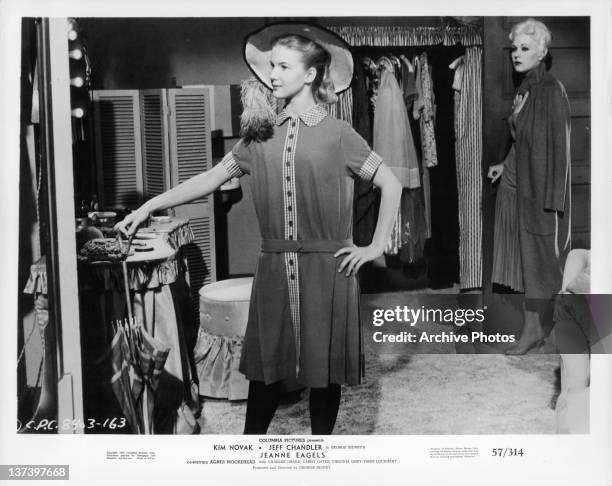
(303, 321)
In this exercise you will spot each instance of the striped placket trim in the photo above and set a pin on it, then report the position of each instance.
(290, 213)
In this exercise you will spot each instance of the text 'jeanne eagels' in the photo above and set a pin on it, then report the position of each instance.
(293, 451)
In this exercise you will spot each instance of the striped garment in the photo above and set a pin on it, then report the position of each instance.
(468, 149)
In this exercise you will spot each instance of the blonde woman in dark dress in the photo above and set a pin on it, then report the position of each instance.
(532, 217)
(304, 320)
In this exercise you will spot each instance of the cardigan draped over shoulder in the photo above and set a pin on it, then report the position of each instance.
(542, 151)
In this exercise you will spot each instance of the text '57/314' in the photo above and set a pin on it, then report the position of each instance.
(507, 452)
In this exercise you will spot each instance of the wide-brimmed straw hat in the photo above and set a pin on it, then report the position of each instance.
(258, 49)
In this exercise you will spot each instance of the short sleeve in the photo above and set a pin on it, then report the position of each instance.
(360, 159)
(238, 161)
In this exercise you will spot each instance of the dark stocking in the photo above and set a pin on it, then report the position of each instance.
(324, 404)
(261, 406)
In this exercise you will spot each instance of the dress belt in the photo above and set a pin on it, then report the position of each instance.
(303, 246)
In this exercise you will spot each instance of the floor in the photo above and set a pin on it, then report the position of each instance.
(444, 391)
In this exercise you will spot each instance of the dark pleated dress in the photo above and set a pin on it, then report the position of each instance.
(507, 266)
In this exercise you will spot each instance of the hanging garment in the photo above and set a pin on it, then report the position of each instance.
(393, 141)
(392, 138)
(413, 231)
(468, 152)
(343, 108)
(362, 109)
(412, 203)
(425, 110)
(371, 71)
(409, 87)
(417, 107)
(385, 63)
(397, 69)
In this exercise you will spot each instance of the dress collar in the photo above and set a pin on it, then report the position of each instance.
(311, 117)
(532, 77)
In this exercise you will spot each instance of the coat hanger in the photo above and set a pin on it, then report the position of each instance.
(453, 65)
(385, 63)
(396, 62)
(369, 64)
(407, 63)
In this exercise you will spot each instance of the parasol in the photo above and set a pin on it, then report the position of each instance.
(151, 355)
(137, 361)
(125, 381)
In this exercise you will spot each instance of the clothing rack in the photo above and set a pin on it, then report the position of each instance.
(466, 155)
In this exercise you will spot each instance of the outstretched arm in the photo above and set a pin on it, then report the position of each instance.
(194, 188)
(391, 191)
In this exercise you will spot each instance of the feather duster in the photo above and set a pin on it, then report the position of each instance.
(259, 111)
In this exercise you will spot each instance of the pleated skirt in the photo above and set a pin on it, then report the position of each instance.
(331, 341)
(507, 265)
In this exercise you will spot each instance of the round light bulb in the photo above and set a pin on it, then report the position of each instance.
(77, 81)
(78, 112)
(72, 29)
(76, 54)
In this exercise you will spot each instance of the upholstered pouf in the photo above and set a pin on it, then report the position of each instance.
(224, 308)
